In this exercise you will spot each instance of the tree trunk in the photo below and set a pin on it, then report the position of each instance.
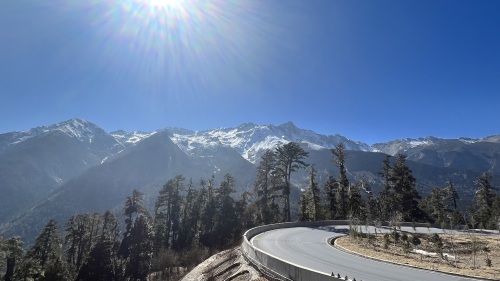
(9, 274)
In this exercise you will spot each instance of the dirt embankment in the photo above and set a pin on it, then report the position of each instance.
(228, 265)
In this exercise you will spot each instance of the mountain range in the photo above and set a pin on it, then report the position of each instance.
(75, 166)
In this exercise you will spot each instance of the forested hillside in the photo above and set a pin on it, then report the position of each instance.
(191, 220)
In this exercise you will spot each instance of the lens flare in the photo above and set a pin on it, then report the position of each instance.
(184, 47)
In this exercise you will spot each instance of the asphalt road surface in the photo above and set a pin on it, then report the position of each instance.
(307, 247)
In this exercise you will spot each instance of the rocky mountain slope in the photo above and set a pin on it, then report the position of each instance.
(36, 162)
(463, 153)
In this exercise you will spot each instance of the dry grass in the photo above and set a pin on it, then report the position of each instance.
(468, 261)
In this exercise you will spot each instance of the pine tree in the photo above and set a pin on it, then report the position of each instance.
(168, 214)
(263, 186)
(370, 207)
(356, 203)
(100, 265)
(190, 218)
(82, 233)
(140, 249)
(405, 193)
(56, 270)
(495, 214)
(437, 205)
(28, 269)
(330, 191)
(246, 213)
(303, 212)
(134, 207)
(484, 202)
(341, 198)
(208, 220)
(226, 223)
(47, 245)
(110, 241)
(198, 211)
(451, 201)
(176, 210)
(290, 158)
(315, 200)
(451, 194)
(109, 229)
(13, 252)
(385, 199)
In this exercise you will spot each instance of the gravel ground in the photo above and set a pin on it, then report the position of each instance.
(460, 260)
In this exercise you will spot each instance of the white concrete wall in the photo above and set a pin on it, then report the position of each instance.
(276, 266)
(287, 271)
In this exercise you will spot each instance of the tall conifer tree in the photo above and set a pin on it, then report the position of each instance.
(330, 191)
(405, 192)
(339, 157)
(290, 158)
(47, 247)
(263, 186)
(484, 202)
(385, 199)
(315, 200)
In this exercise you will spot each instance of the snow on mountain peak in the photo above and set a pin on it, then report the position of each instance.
(81, 129)
(251, 140)
(130, 138)
(403, 145)
(78, 128)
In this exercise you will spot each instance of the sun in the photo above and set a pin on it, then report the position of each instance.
(165, 4)
(159, 10)
(181, 46)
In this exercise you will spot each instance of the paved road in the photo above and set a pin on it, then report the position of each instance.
(308, 247)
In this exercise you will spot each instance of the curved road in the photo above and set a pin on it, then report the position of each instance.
(307, 246)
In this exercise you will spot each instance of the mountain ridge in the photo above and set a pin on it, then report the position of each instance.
(234, 137)
(43, 170)
(251, 140)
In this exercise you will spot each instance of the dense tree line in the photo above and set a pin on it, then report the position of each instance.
(191, 221)
(187, 225)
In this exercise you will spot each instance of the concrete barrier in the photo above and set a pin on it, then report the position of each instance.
(280, 269)
(276, 267)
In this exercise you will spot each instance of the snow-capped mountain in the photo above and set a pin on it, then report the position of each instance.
(81, 129)
(35, 162)
(462, 153)
(75, 166)
(49, 157)
(251, 140)
(404, 145)
(130, 138)
(84, 131)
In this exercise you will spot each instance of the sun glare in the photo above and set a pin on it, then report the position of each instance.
(165, 4)
(185, 46)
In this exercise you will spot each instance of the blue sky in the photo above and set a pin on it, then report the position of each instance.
(370, 70)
